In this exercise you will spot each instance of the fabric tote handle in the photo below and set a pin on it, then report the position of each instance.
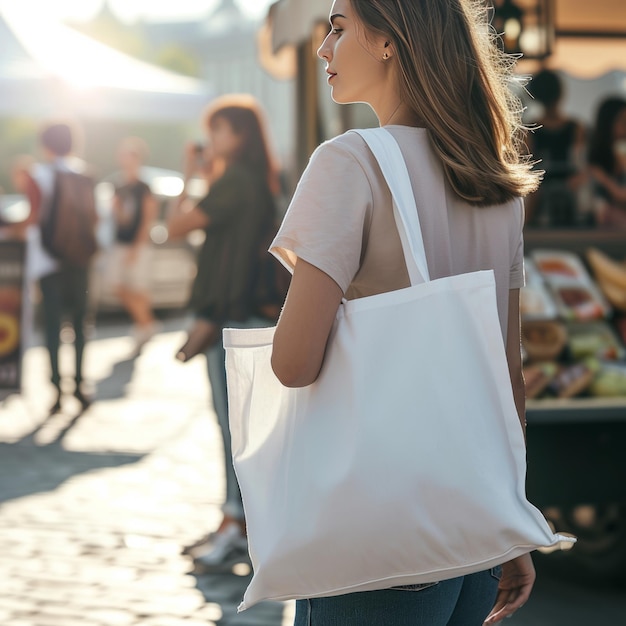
(387, 152)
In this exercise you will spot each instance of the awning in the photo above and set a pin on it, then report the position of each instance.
(590, 16)
(278, 61)
(583, 57)
(293, 20)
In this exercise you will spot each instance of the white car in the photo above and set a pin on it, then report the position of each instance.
(14, 208)
(174, 262)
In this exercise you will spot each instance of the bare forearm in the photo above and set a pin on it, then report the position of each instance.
(304, 326)
(616, 191)
(519, 395)
(514, 357)
(182, 222)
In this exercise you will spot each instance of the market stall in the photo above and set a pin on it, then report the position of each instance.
(573, 327)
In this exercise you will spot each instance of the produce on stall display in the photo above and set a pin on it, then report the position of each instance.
(536, 303)
(538, 376)
(576, 295)
(570, 330)
(543, 340)
(611, 276)
(594, 339)
(571, 380)
(610, 381)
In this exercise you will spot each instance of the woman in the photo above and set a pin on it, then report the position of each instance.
(431, 74)
(134, 212)
(607, 162)
(558, 143)
(237, 215)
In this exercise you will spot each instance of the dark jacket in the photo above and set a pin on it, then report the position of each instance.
(241, 211)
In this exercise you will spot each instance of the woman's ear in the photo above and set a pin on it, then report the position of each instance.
(388, 50)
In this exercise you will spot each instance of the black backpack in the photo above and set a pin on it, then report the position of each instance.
(68, 223)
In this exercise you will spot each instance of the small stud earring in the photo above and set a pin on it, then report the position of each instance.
(386, 56)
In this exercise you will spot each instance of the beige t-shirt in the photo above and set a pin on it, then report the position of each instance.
(341, 221)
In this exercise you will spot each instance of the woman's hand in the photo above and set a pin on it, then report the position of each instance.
(191, 158)
(518, 578)
(199, 160)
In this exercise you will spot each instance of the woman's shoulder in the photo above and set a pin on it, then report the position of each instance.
(237, 171)
(347, 153)
(352, 145)
(349, 144)
(237, 176)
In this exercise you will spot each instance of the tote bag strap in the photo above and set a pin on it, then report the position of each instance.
(387, 152)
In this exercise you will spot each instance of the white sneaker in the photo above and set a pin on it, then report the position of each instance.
(228, 544)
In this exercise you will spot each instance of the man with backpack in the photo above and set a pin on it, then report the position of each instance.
(61, 244)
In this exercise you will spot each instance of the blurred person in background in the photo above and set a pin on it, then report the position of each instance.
(558, 144)
(6, 232)
(607, 162)
(134, 213)
(238, 215)
(64, 286)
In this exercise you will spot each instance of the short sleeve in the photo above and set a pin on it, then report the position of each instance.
(325, 222)
(225, 198)
(516, 278)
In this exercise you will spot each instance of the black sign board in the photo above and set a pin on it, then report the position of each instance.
(12, 255)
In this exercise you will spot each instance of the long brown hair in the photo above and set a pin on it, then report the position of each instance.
(455, 79)
(245, 116)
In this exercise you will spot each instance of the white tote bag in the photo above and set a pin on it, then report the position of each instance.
(404, 462)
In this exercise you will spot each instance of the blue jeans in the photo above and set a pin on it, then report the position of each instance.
(216, 367)
(464, 601)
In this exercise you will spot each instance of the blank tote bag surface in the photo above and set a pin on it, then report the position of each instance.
(405, 461)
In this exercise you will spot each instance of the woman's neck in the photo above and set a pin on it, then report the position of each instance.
(399, 114)
(407, 118)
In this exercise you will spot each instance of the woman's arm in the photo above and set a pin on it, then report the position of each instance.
(616, 191)
(304, 325)
(578, 154)
(183, 222)
(518, 575)
(149, 210)
(514, 356)
(183, 219)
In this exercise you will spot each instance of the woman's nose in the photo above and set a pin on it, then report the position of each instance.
(324, 52)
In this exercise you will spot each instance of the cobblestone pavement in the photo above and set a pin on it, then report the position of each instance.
(94, 508)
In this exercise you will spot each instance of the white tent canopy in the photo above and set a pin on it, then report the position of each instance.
(47, 68)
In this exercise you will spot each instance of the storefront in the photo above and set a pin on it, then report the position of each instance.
(577, 422)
